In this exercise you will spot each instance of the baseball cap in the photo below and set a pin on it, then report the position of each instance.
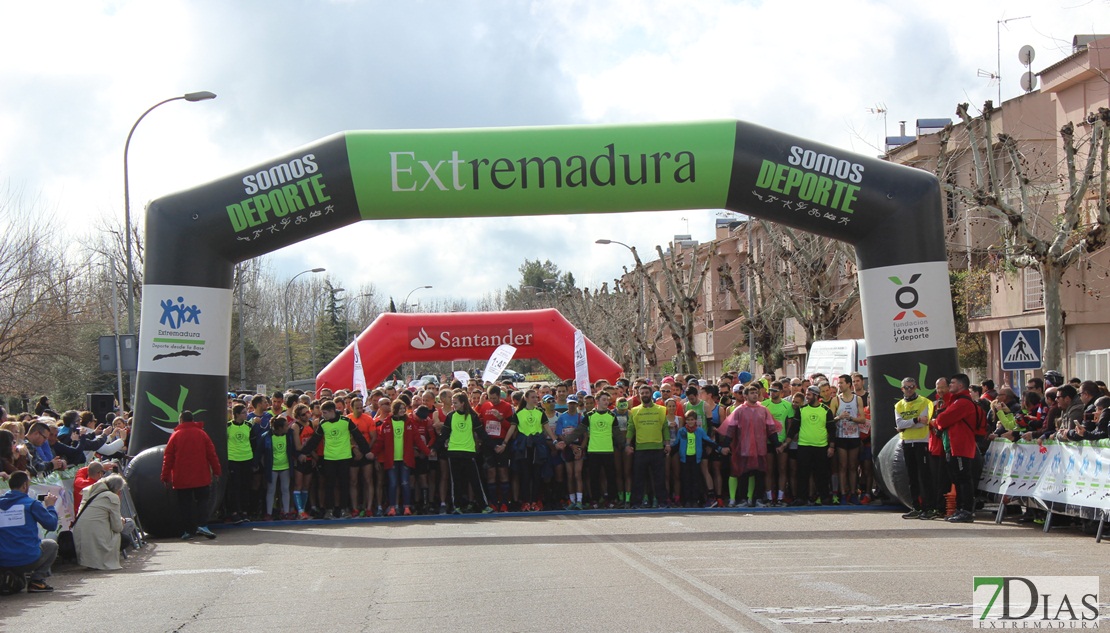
(814, 389)
(548, 398)
(573, 399)
(737, 388)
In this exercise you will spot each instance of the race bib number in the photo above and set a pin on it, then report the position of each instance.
(493, 428)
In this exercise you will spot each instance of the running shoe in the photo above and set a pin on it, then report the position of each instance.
(504, 508)
(488, 510)
(206, 533)
(186, 536)
(443, 508)
(929, 515)
(38, 586)
(712, 503)
(761, 503)
(732, 503)
(962, 516)
(408, 511)
(912, 514)
(537, 506)
(391, 512)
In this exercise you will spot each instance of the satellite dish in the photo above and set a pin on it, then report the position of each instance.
(1028, 82)
(1026, 54)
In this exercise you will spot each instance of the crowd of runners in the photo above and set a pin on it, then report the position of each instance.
(683, 442)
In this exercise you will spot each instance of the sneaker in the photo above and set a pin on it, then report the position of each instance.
(799, 502)
(732, 503)
(206, 533)
(504, 508)
(962, 516)
(488, 510)
(712, 503)
(865, 499)
(457, 510)
(836, 500)
(929, 515)
(537, 506)
(186, 536)
(305, 516)
(38, 586)
(762, 503)
(443, 508)
(408, 511)
(912, 514)
(391, 512)
(853, 500)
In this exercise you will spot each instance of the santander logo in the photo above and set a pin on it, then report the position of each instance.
(422, 341)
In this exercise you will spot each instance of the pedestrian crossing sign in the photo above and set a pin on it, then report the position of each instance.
(1021, 349)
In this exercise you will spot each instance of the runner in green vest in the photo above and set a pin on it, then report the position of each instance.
(530, 451)
(601, 427)
(459, 431)
(816, 436)
(244, 458)
(336, 433)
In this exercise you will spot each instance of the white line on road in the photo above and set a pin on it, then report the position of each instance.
(730, 623)
(238, 571)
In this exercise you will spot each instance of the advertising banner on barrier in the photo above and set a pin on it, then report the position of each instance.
(1076, 473)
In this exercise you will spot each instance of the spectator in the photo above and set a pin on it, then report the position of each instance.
(97, 534)
(22, 549)
(84, 478)
(71, 455)
(8, 454)
(187, 466)
(43, 461)
(42, 405)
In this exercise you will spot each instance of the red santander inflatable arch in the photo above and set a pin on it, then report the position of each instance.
(393, 339)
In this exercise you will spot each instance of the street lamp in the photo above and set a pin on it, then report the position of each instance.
(190, 96)
(405, 303)
(640, 309)
(405, 307)
(288, 344)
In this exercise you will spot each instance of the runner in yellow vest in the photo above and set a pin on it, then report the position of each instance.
(336, 433)
(601, 427)
(244, 458)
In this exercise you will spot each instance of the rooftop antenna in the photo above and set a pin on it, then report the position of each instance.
(998, 42)
(1026, 54)
(880, 108)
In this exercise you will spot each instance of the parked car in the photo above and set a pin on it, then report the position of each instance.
(429, 379)
(509, 374)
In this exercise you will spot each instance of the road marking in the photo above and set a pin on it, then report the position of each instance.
(864, 607)
(641, 566)
(238, 571)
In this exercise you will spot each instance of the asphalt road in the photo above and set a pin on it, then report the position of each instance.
(796, 570)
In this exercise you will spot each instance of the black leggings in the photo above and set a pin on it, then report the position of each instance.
(239, 486)
(192, 505)
(959, 468)
(336, 472)
(596, 462)
(530, 475)
(464, 473)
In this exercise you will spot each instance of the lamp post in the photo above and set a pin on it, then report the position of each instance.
(405, 307)
(190, 96)
(640, 308)
(285, 305)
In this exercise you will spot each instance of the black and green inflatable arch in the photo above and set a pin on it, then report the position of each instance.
(891, 214)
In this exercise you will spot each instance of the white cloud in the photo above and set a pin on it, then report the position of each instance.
(78, 73)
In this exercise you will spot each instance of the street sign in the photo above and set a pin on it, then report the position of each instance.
(1020, 349)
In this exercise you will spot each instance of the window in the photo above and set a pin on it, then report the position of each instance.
(1034, 289)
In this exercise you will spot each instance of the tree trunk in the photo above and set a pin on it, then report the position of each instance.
(1052, 274)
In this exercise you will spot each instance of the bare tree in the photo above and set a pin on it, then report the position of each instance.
(42, 295)
(1005, 189)
(763, 318)
(814, 279)
(683, 278)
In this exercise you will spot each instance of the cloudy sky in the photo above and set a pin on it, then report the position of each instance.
(75, 75)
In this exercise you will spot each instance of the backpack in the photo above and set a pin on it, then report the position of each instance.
(979, 428)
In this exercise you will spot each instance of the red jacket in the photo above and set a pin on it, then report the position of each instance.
(958, 418)
(80, 482)
(936, 444)
(190, 458)
(413, 441)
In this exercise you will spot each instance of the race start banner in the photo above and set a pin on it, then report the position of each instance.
(1072, 473)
